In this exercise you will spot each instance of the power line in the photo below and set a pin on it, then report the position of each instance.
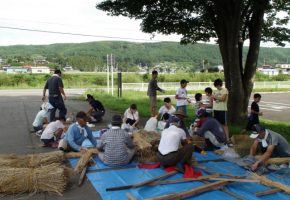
(74, 34)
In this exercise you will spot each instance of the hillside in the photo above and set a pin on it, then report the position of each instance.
(92, 56)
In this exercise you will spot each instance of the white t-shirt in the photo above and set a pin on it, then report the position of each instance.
(164, 110)
(181, 92)
(151, 124)
(170, 139)
(49, 131)
(129, 115)
(41, 115)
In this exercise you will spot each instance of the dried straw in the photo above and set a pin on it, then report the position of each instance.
(84, 160)
(242, 144)
(32, 160)
(49, 178)
(146, 145)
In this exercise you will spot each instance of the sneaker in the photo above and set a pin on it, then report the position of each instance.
(38, 133)
(273, 167)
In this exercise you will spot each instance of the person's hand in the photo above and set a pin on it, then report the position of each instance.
(83, 150)
(255, 166)
(64, 97)
(43, 98)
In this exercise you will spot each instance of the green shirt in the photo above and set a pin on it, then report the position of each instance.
(221, 105)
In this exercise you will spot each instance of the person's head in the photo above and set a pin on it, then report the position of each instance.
(154, 74)
(183, 83)
(89, 97)
(201, 113)
(82, 118)
(62, 119)
(180, 114)
(257, 97)
(133, 107)
(167, 102)
(116, 120)
(218, 83)
(258, 132)
(198, 96)
(165, 116)
(57, 71)
(208, 91)
(176, 122)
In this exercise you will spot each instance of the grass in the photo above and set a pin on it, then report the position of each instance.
(142, 102)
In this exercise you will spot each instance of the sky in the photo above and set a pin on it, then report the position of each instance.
(66, 16)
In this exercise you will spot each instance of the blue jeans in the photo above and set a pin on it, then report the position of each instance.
(57, 103)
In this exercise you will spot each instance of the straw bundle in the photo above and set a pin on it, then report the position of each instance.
(84, 160)
(265, 181)
(242, 144)
(146, 145)
(32, 160)
(49, 178)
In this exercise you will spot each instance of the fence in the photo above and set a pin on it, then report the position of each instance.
(202, 85)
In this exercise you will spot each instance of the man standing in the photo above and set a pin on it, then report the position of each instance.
(151, 92)
(55, 89)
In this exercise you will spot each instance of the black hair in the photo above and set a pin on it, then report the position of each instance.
(167, 99)
(165, 116)
(208, 90)
(81, 115)
(133, 106)
(154, 72)
(198, 96)
(257, 95)
(218, 82)
(57, 71)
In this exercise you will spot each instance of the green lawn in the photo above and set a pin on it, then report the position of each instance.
(142, 102)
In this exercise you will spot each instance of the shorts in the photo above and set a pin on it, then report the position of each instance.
(221, 116)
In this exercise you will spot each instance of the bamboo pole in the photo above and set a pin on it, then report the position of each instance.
(192, 192)
(267, 192)
(265, 181)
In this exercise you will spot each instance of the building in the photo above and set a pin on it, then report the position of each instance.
(39, 70)
(16, 70)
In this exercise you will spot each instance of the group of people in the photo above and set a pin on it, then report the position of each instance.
(116, 146)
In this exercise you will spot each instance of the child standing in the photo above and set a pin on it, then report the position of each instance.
(255, 112)
(220, 101)
(208, 103)
(198, 102)
(181, 97)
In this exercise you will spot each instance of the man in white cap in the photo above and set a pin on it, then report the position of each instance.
(271, 143)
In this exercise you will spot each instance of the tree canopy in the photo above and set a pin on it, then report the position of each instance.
(231, 22)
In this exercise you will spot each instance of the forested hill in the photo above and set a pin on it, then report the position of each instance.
(92, 56)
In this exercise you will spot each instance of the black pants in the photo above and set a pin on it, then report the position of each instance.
(130, 121)
(98, 115)
(183, 155)
(57, 102)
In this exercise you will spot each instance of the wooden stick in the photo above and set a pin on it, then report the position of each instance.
(265, 181)
(234, 180)
(182, 180)
(142, 183)
(278, 160)
(267, 192)
(130, 196)
(192, 192)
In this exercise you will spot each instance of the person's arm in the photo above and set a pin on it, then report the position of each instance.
(221, 98)
(136, 118)
(44, 91)
(70, 139)
(129, 142)
(90, 110)
(90, 137)
(253, 148)
(62, 92)
(264, 157)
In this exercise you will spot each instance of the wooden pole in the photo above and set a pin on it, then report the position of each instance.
(192, 192)
(267, 192)
(130, 196)
(142, 183)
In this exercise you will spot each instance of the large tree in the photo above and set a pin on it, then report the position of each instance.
(231, 22)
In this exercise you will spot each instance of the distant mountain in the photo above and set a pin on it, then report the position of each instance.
(130, 56)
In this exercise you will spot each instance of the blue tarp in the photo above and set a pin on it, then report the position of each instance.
(112, 178)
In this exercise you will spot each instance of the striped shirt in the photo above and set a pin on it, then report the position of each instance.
(115, 142)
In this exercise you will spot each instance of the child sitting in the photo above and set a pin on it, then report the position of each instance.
(41, 118)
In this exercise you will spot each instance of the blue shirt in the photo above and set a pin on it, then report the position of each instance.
(75, 138)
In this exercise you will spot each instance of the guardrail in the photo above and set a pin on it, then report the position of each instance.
(201, 85)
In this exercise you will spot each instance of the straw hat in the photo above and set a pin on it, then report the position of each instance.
(180, 112)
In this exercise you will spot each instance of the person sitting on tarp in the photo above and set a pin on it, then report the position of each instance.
(179, 115)
(76, 134)
(211, 130)
(271, 143)
(116, 146)
(169, 153)
(96, 110)
(131, 116)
